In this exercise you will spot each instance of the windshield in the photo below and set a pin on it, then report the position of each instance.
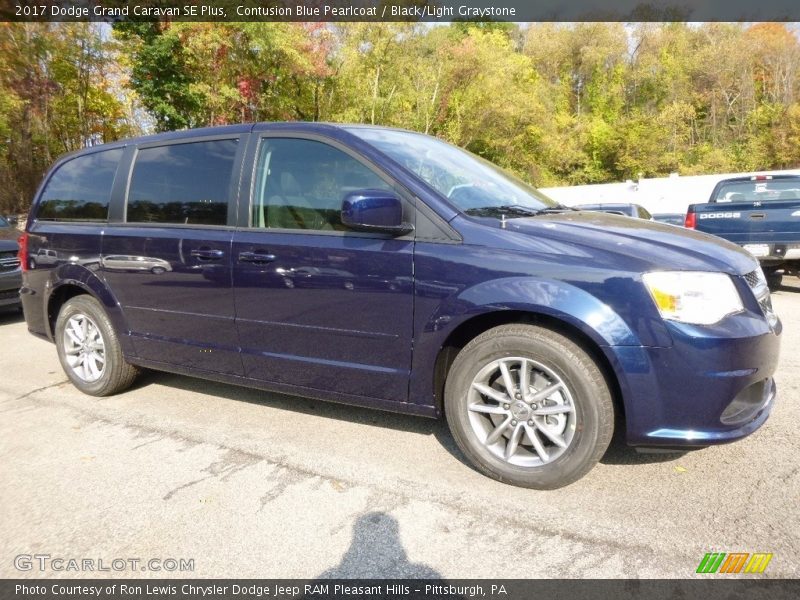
(4, 223)
(472, 184)
(759, 190)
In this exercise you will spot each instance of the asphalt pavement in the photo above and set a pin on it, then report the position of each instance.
(251, 484)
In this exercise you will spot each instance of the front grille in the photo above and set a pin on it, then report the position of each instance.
(8, 261)
(765, 304)
(8, 294)
(758, 284)
(753, 278)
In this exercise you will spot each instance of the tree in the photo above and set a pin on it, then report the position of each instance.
(555, 103)
(55, 97)
(195, 74)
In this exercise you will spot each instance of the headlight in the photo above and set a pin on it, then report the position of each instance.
(695, 297)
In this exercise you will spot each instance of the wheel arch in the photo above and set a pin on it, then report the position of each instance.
(75, 280)
(474, 326)
(58, 297)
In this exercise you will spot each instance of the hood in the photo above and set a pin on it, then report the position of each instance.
(641, 245)
(9, 233)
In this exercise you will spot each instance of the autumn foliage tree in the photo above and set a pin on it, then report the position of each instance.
(193, 74)
(556, 103)
(56, 96)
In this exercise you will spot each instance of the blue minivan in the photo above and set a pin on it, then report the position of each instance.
(389, 269)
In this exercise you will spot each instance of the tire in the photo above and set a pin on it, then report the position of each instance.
(774, 280)
(573, 433)
(84, 315)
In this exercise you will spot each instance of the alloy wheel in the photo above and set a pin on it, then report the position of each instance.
(84, 348)
(521, 411)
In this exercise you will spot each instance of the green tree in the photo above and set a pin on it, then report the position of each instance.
(55, 97)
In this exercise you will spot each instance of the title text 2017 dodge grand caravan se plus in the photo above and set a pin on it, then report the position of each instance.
(389, 269)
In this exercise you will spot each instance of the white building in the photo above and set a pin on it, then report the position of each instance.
(671, 194)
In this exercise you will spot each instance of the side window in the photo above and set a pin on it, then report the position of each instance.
(300, 184)
(80, 189)
(182, 183)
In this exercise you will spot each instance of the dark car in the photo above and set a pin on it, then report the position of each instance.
(761, 213)
(618, 208)
(10, 272)
(421, 279)
(670, 218)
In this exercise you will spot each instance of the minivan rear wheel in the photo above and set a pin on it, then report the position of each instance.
(529, 407)
(89, 349)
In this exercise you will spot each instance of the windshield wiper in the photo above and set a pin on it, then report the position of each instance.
(515, 209)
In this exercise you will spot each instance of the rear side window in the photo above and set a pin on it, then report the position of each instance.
(188, 184)
(80, 189)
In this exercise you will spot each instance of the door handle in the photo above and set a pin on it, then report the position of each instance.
(207, 254)
(256, 257)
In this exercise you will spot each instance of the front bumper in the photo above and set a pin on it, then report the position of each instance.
(712, 386)
(10, 282)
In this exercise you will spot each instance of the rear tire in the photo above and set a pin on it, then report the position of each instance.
(530, 438)
(774, 280)
(89, 349)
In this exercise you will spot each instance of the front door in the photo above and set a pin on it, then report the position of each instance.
(318, 306)
(169, 264)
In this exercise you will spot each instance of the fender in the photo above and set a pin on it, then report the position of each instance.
(556, 299)
(89, 281)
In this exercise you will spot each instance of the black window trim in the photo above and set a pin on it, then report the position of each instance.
(233, 187)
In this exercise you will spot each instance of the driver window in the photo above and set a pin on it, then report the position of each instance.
(300, 184)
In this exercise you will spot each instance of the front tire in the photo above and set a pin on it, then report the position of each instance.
(89, 349)
(529, 407)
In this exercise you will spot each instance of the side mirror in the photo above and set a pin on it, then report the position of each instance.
(374, 210)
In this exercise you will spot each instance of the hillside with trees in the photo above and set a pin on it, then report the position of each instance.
(556, 103)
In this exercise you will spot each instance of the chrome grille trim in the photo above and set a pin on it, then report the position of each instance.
(758, 285)
(9, 263)
(753, 278)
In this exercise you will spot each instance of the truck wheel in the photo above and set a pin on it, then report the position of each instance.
(774, 279)
(89, 349)
(529, 407)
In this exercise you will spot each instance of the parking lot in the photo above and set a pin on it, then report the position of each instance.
(252, 484)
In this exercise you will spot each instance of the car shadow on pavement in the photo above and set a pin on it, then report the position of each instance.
(318, 408)
(9, 316)
(792, 288)
(377, 552)
(619, 453)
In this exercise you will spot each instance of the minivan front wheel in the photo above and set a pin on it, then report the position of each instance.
(89, 349)
(529, 407)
